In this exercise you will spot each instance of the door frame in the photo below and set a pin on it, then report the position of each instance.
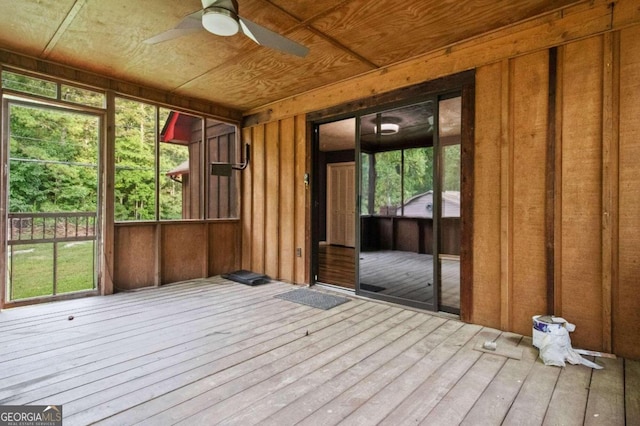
(463, 83)
(9, 98)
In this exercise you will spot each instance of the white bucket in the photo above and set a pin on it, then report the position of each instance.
(543, 324)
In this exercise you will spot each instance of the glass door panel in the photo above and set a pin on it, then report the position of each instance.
(53, 198)
(335, 203)
(449, 229)
(396, 205)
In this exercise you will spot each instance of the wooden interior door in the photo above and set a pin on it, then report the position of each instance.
(341, 204)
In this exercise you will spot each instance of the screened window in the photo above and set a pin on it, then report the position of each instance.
(403, 182)
(161, 165)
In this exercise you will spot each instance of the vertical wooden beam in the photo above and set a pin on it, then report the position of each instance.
(557, 198)
(550, 179)
(581, 225)
(610, 140)
(487, 175)
(157, 254)
(4, 141)
(246, 206)
(626, 303)
(467, 187)
(108, 198)
(287, 199)
(506, 197)
(303, 256)
(258, 200)
(528, 85)
(272, 199)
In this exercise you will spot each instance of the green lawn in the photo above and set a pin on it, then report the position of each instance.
(32, 267)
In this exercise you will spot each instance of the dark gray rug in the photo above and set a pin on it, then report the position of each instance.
(371, 287)
(312, 298)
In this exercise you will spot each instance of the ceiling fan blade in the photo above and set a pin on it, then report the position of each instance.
(189, 24)
(268, 38)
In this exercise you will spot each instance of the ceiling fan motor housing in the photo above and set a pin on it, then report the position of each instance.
(220, 17)
(231, 5)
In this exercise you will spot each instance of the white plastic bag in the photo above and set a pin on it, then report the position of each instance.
(556, 348)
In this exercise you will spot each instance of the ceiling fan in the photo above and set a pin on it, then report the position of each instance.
(221, 17)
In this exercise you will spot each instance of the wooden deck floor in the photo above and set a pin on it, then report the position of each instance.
(211, 351)
(400, 274)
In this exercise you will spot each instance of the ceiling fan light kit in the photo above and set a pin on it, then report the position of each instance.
(387, 129)
(220, 17)
(220, 21)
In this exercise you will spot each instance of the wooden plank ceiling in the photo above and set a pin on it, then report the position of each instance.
(346, 38)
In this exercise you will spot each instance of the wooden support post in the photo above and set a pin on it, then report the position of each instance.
(610, 139)
(506, 199)
(550, 180)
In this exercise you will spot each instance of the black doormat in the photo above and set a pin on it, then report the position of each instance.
(371, 287)
(315, 299)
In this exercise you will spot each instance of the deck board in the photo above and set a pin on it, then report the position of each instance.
(493, 405)
(211, 351)
(631, 384)
(606, 394)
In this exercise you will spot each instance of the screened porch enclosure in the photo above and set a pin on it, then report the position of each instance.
(53, 197)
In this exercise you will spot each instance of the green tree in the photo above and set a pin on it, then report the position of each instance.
(53, 160)
(135, 161)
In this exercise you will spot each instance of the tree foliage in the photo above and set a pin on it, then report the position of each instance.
(54, 157)
(406, 173)
(52, 160)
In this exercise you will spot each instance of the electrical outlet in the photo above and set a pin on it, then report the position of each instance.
(298, 252)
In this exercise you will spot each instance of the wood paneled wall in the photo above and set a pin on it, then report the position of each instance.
(152, 254)
(596, 191)
(625, 243)
(275, 201)
(556, 192)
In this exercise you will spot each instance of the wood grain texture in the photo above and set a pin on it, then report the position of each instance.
(224, 247)
(272, 199)
(631, 385)
(181, 251)
(247, 204)
(626, 305)
(467, 187)
(97, 81)
(610, 148)
(486, 218)
(134, 259)
(275, 211)
(572, 23)
(550, 179)
(557, 195)
(258, 176)
(106, 279)
(606, 394)
(222, 352)
(420, 27)
(286, 218)
(582, 190)
(302, 228)
(572, 385)
(506, 196)
(529, 85)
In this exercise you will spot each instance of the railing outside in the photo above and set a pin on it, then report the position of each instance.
(51, 228)
(30, 228)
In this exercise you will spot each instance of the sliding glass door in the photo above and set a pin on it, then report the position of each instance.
(409, 216)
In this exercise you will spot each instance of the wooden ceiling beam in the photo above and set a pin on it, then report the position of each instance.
(553, 29)
(73, 12)
(344, 48)
(74, 75)
(308, 24)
